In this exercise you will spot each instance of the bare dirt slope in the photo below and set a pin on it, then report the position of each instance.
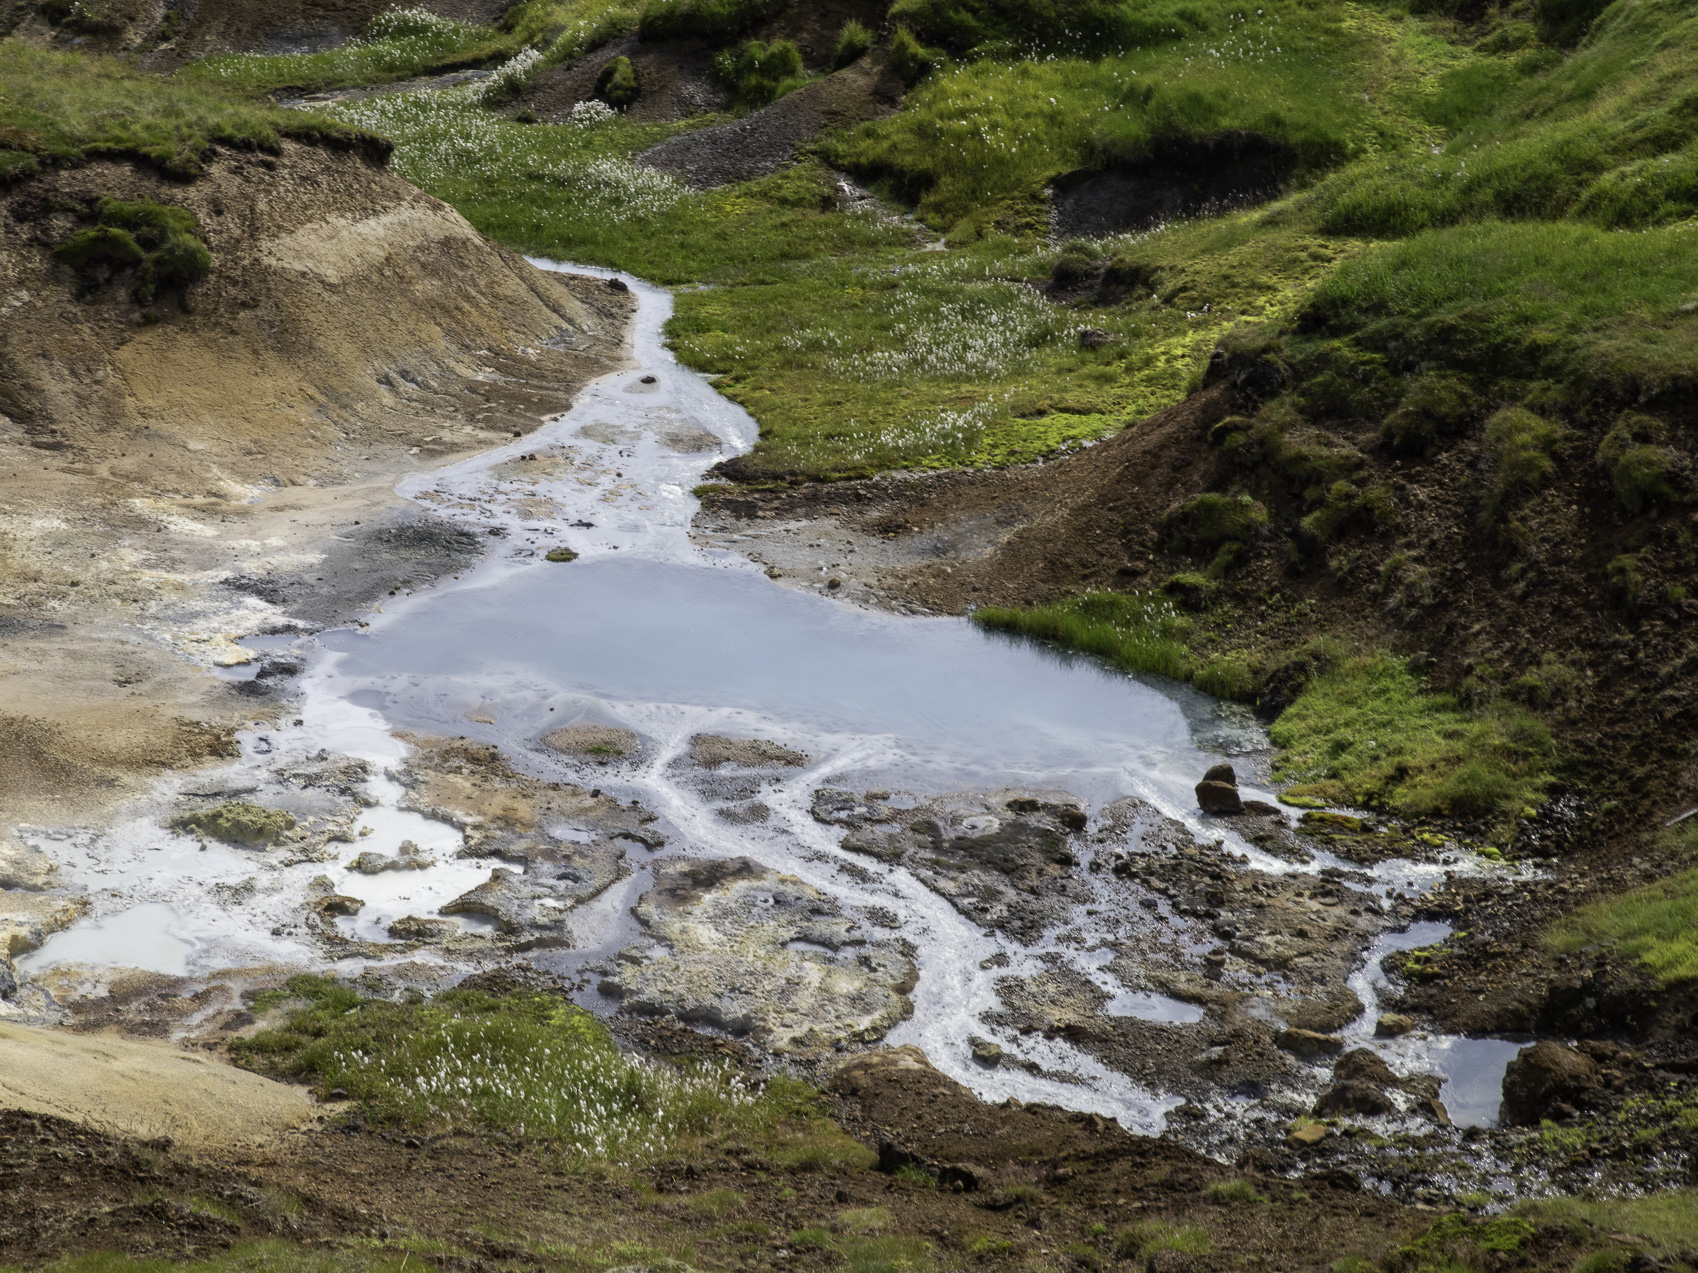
(171, 480)
(142, 1089)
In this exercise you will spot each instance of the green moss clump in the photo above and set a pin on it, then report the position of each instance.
(561, 554)
(1211, 519)
(1461, 1241)
(617, 83)
(160, 242)
(100, 247)
(912, 61)
(1434, 407)
(238, 822)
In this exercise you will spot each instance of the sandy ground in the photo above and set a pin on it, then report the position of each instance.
(145, 1090)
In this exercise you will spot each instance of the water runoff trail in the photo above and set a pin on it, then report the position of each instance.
(649, 631)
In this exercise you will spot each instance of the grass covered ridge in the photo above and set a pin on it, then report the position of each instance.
(533, 1065)
(64, 107)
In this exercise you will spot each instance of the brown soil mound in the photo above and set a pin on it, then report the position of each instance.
(761, 143)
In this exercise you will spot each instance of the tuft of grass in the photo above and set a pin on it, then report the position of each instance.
(616, 83)
(854, 41)
(528, 1064)
(1367, 733)
(1521, 450)
(1666, 1223)
(398, 44)
(1150, 1236)
(1140, 632)
(759, 73)
(1234, 1191)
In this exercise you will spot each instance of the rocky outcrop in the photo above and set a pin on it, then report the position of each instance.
(1364, 1084)
(22, 867)
(1546, 1080)
(1005, 859)
(743, 948)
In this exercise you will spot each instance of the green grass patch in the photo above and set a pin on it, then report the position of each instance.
(1657, 925)
(1608, 135)
(1665, 1224)
(1368, 733)
(1531, 300)
(528, 1064)
(1150, 1236)
(981, 133)
(398, 44)
(66, 107)
(1234, 1191)
(1140, 632)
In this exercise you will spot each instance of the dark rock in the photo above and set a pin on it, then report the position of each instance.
(1222, 773)
(1262, 809)
(1353, 1096)
(1095, 338)
(1392, 1024)
(618, 285)
(1362, 1066)
(1541, 1076)
(1309, 1043)
(1218, 797)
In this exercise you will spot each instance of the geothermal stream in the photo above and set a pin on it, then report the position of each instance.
(652, 632)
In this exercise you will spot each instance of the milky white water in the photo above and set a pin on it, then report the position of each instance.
(652, 632)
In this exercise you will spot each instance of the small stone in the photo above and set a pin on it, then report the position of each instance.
(986, 1053)
(1392, 1024)
(834, 583)
(1222, 773)
(1308, 1136)
(618, 285)
(1309, 1043)
(1218, 797)
(338, 904)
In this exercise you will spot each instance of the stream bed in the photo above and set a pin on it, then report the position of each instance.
(839, 756)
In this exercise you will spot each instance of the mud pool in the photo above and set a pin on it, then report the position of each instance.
(650, 635)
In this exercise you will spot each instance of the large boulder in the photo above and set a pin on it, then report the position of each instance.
(1541, 1076)
(1214, 796)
